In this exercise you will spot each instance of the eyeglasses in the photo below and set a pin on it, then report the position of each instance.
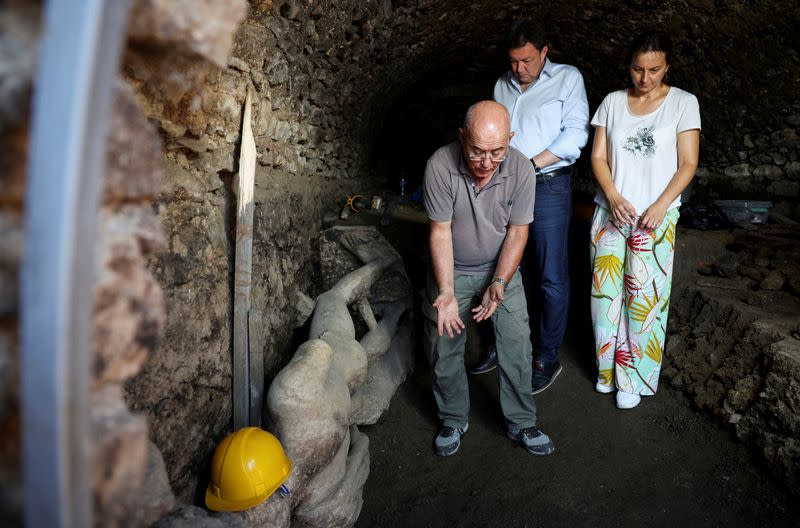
(483, 155)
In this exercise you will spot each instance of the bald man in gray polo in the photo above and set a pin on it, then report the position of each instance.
(479, 196)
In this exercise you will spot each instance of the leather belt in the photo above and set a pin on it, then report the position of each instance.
(547, 176)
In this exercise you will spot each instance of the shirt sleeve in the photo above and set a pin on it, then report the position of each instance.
(600, 118)
(437, 194)
(690, 115)
(574, 122)
(524, 196)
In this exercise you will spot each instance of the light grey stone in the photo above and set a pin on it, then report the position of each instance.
(770, 172)
(202, 27)
(742, 170)
(792, 169)
(335, 496)
(385, 373)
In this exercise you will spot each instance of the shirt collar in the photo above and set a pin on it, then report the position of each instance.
(547, 69)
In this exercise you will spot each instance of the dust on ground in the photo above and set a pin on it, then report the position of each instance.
(664, 463)
(660, 464)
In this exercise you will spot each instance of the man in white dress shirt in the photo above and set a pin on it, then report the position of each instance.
(550, 120)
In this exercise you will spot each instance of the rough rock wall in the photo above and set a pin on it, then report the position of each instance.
(739, 58)
(734, 343)
(174, 61)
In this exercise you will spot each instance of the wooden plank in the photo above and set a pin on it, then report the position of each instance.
(257, 339)
(243, 272)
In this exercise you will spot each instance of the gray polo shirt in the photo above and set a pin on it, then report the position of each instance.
(479, 218)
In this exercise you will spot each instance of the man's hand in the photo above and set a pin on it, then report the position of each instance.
(448, 318)
(491, 300)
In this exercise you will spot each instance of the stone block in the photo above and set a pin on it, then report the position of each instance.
(202, 27)
(129, 303)
(304, 307)
(119, 458)
(741, 170)
(134, 159)
(155, 499)
(792, 169)
(252, 44)
(770, 172)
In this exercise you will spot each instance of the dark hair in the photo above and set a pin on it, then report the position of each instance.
(650, 41)
(524, 31)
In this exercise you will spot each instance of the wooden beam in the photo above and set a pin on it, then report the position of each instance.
(243, 272)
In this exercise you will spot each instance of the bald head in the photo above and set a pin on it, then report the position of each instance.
(484, 138)
(487, 117)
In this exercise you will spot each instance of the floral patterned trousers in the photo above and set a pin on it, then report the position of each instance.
(631, 285)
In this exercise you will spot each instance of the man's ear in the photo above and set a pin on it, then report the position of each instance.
(544, 52)
(461, 135)
(511, 135)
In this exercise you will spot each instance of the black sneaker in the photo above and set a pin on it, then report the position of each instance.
(448, 440)
(488, 363)
(544, 375)
(532, 439)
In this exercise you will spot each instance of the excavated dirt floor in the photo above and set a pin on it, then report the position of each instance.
(661, 464)
(664, 463)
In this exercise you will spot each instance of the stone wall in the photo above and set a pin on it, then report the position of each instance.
(734, 337)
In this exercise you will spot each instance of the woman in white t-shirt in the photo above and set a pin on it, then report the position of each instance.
(645, 152)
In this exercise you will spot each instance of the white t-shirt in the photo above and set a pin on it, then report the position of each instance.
(643, 150)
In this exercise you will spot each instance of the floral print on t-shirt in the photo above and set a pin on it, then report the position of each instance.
(642, 142)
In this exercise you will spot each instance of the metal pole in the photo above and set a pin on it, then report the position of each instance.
(78, 62)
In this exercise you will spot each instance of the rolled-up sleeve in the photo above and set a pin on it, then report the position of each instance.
(574, 121)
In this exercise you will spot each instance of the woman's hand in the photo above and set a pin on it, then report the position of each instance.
(653, 216)
(448, 318)
(622, 211)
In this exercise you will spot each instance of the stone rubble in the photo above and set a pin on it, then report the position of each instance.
(733, 344)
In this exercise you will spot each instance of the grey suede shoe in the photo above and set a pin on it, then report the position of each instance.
(535, 441)
(448, 440)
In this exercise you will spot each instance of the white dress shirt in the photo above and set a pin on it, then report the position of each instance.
(551, 114)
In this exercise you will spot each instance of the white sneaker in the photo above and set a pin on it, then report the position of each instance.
(603, 388)
(626, 400)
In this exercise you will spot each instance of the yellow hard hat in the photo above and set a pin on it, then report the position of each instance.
(248, 466)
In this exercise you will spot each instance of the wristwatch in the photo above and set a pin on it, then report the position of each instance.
(500, 280)
(536, 168)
